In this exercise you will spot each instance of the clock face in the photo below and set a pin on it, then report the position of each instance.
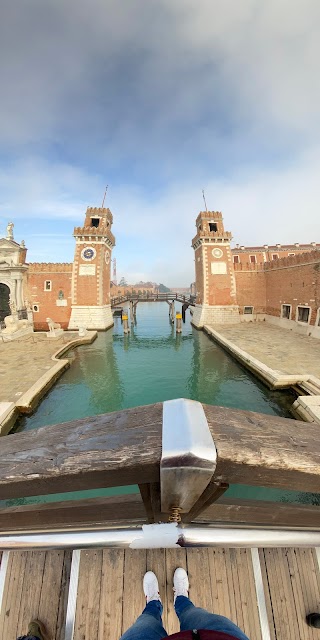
(89, 253)
(217, 253)
(107, 256)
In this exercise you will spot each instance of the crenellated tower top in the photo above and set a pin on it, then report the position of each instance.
(210, 228)
(97, 225)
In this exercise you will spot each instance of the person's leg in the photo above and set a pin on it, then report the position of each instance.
(36, 631)
(192, 617)
(149, 624)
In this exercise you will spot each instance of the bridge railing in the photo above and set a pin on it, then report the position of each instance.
(125, 448)
(144, 297)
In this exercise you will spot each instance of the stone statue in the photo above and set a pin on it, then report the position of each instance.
(10, 231)
(22, 244)
(12, 304)
(15, 328)
(55, 330)
(53, 325)
(82, 330)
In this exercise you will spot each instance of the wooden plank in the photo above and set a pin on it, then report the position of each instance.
(125, 447)
(135, 566)
(130, 508)
(150, 494)
(35, 588)
(283, 604)
(12, 595)
(122, 509)
(146, 499)
(305, 581)
(222, 592)
(264, 450)
(54, 590)
(174, 558)
(267, 595)
(88, 596)
(63, 601)
(32, 585)
(199, 578)
(156, 562)
(111, 600)
(249, 595)
(114, 449)
(236, 510)
(233, 588)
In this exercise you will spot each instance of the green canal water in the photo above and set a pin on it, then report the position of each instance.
(150, 365)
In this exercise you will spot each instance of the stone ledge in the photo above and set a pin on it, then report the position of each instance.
(8, 416)
(27, 403)
(307, 407)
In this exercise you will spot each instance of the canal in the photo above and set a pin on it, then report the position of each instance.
(153, 364)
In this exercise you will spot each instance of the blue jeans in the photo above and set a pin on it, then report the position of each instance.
(149, 624)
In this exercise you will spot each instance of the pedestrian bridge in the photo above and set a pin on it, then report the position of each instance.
(78, 564)
(153, 297)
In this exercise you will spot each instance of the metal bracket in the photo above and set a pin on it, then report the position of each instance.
(189, 455)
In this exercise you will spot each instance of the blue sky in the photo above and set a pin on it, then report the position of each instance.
(159, 99)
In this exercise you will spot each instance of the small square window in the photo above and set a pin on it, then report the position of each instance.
(275, 256)
(47, 285)
(236, 259)
(286, 311)
(248, 310)
(35, 308)
(303, 314)
(253, 259)
(213, 226)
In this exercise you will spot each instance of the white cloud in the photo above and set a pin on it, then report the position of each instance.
(160, 100)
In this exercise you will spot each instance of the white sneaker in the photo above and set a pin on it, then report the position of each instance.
(180, 583)
(151, 586)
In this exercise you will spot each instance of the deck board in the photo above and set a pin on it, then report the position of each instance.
(110, 596)
(292, 582)
(35, 587)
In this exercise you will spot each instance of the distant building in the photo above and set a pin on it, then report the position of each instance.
(277, 283)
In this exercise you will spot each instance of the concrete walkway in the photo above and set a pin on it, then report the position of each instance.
(28, 368)
(277, 348)
(280, 358)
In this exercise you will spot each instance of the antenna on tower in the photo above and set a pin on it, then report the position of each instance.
(104, 197)
(204, 199)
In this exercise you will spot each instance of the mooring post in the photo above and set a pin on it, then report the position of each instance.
(171, 311)
(126, 328)
(178, 323)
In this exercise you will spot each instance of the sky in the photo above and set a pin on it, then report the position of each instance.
(159, 99)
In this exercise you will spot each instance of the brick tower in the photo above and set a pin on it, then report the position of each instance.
(91, 271)
(215, 281)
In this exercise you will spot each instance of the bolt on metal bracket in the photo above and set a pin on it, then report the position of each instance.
(189, 455)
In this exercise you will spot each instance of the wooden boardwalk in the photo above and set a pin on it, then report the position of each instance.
(97, 594)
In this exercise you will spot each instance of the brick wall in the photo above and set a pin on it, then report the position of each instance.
(47, 301)
(294, 281)
(251, 289)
